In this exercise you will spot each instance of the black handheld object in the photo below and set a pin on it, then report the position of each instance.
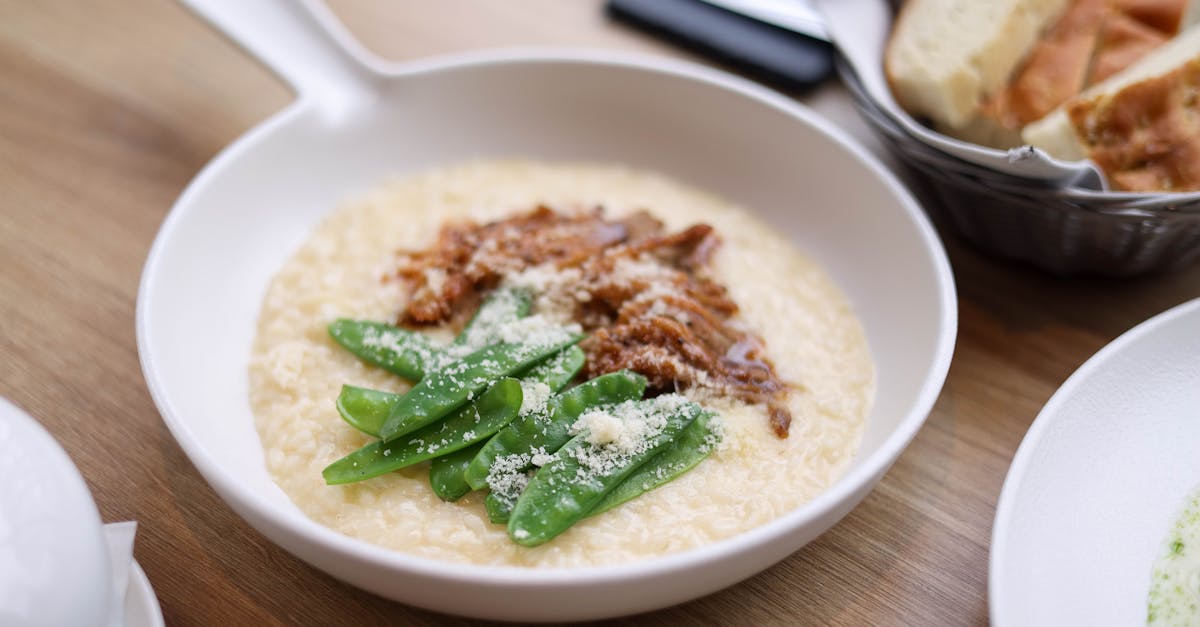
(785, 58)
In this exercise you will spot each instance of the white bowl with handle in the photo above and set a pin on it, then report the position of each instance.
(357, 121)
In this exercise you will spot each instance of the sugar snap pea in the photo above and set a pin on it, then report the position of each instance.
(469, 424)
(498, 509)
(549, 430)
(694, 443)
(446, 473)
(399, 351)
(365, 409)
(581, 473)
(558, 370)
(448, 388)
(505, 461)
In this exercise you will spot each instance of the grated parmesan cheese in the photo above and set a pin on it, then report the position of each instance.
(435, 279)
(493, 325)
(507, 477)
(602, 427)
(556, 290)
(488, 324)
(534, 396)
(622, 430)
(397, 342)
(537, 330)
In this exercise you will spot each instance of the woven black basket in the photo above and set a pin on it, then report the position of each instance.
(1064, 230)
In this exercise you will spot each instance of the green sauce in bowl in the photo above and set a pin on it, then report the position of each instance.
(1175, 583)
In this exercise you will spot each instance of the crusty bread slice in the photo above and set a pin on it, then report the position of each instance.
(1123, 41)
(1055, 69)
(945, 56)
(1057, 134)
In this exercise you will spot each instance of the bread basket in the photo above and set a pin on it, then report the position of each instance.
(1062, 228)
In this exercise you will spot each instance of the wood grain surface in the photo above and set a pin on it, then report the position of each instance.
(107, 109)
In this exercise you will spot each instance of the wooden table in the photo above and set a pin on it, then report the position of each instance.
(108, 109)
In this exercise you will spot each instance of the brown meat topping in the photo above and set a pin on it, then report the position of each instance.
(644, 295)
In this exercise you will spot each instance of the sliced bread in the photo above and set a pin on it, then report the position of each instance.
(1141, 125)
(946, 56)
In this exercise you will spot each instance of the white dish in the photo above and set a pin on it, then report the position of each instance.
(357, 122)
(54, 565)
(141, 605)
(1098, 481)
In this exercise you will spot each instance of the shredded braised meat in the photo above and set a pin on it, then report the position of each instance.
(644, 295)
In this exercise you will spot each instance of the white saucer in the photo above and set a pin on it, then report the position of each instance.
(54, 554)
(141, 605)
(54, 561)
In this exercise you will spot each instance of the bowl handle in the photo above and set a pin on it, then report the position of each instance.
(302, 42)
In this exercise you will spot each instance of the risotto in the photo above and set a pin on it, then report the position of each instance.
(811, 336)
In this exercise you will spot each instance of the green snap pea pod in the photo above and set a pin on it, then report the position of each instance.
(549, 430)
(448, 388)
(558, 370)
(396, 350)
(581, 473)
(365, 409)
(499, 309)
(446, 473)
(499, 505)
(696, 441)
(498, 509)
(504, 461)
(470, 424)
(502, 307)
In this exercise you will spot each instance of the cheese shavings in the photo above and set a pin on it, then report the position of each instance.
(619, 432)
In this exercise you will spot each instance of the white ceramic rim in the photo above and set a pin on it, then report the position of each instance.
(843, 490)
(72, 513)
(1032, 439)
(141, 604)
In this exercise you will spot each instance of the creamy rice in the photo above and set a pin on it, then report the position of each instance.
(296, 371)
